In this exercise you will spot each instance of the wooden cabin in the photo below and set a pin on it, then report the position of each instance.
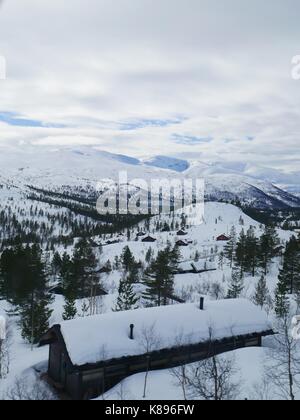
(149, 239)
(223, 238)
(88, 356)
(141, 234)
(182, 243)
(181, 233)
(193, 267)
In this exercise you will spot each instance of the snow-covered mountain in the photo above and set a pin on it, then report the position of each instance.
(164, 162)
(79, 170)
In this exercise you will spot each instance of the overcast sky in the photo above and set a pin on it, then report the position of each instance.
(198, 78)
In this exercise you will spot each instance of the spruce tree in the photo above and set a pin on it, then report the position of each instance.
(268, 245)
(34, 316)
(127, 259)
(34, 308)
(261, 296)
(236, 285)
(70, 310)
(84, 269)
(251, 252)
(241, 253)
(230, 247)
(127, 298)
(69, 288)
(290, 272)
(159, 278)
(149, 255)
(56, 264)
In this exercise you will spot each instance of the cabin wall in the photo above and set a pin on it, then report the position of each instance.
(55, 353)
(73, 386)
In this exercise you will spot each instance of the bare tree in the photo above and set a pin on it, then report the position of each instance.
(28, 390)
(214, 379)
(122, 392)
(262, 391)
(103, 356)
(217, 291)
(284, 361)
(179, 373)
(5, 347)
(149, 341)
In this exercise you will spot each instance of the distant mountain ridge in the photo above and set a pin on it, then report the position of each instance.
(79, 170)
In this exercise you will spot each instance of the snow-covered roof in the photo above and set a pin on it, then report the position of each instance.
(198, 266)
(204, 265)
(104, 337)
(185, 266)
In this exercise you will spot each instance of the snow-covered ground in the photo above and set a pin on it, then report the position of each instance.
(218, 219)
(251, 365)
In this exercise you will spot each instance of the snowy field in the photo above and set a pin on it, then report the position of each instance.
(218, 219)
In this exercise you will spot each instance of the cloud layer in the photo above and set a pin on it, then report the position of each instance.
(204, 78)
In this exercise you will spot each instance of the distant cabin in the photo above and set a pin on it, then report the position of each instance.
(149, 239)
(141, 234)
(104, 270)
(58, 289)
(182, 243)
(88, 356)
(112, 242)
(181, 233)
(192, 267)
(223, 238)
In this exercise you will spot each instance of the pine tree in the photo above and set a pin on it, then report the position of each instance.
(149, 255)
(261, 296)
(241, 252)
(251, 252)
(290, 272)
(127, 259)
(34, 317)
(268, 247)
(70, 310)
(69, 288)
(127, 298)
(159, 278)
(84, 265)
(134, 273)
(34, 308)
(230, 247)
(236, 285)
(56, 264)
